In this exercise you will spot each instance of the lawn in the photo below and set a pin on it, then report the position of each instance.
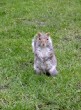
(20, 87)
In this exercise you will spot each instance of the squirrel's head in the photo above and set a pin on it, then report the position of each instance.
(43, 39)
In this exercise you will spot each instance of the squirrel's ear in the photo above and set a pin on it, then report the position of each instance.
(39, 34)
(48, 34)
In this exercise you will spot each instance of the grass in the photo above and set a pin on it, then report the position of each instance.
(20, 88)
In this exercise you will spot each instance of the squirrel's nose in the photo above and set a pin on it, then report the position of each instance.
(43, 44)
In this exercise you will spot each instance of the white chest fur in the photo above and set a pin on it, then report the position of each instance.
(44, 52)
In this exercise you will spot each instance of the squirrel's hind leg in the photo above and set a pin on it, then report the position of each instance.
(37, 70)
(53, 71)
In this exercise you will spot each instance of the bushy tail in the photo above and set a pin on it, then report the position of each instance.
(33, 45)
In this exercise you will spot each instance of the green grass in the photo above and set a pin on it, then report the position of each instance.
(20, 88)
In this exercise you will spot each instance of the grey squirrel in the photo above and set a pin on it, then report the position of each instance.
(44, 57)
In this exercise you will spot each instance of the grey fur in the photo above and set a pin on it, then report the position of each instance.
(44, 57)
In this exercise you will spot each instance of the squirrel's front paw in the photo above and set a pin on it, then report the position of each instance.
(42, 58)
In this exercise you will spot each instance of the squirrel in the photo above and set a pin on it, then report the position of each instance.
(44, 57)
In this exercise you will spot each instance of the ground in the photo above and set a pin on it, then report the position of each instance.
(20, 87)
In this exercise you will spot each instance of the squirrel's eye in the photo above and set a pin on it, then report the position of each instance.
(47, 38)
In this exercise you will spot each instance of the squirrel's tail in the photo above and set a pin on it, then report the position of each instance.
(33, 46)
